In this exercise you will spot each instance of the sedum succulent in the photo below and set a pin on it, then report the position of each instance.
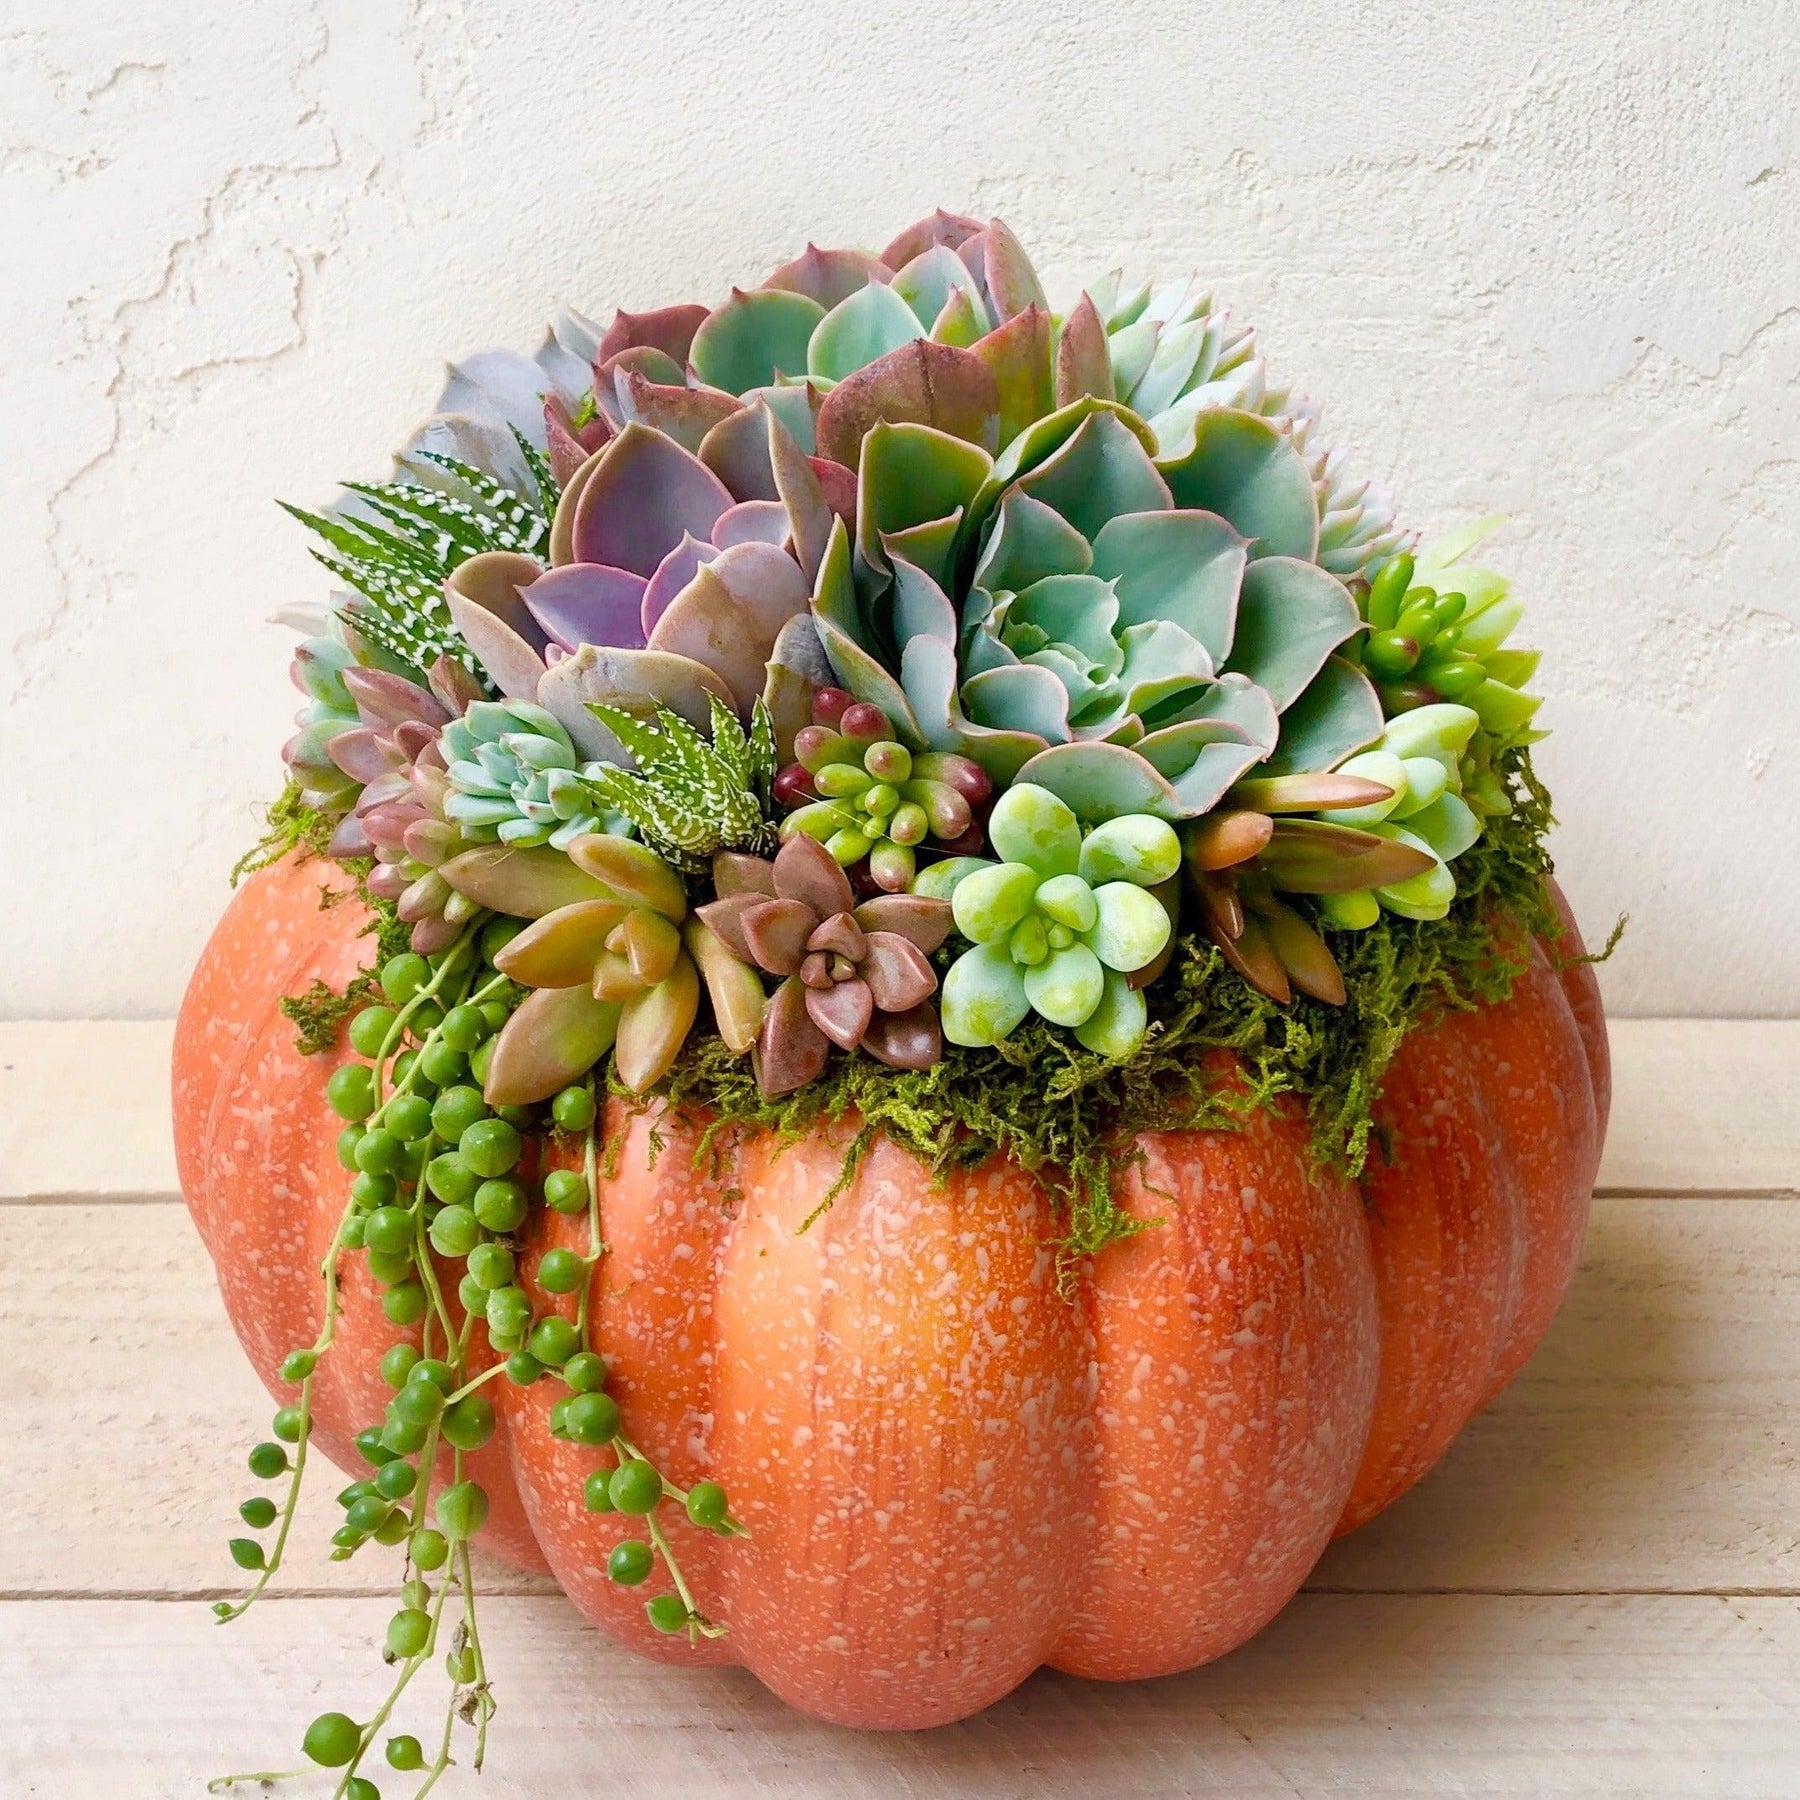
(607, 972)
(1447, 642)
(854, 976)
(869, 800)
(1059, 925)
(1420, 760)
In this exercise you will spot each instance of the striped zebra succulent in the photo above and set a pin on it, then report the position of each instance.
(689, 797)
(396, 542)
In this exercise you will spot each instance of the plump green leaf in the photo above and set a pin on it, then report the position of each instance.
(753, 337)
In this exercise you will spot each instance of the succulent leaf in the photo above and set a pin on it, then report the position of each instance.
(1244, 469)
(859, 330)
(755, 337)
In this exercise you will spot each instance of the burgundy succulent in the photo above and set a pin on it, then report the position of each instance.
(854, 976)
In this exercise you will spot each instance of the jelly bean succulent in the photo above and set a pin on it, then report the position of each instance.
(869, 800)
(881, 694)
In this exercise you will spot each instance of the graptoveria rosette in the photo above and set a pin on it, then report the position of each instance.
(1132, 630)
(1058, 925)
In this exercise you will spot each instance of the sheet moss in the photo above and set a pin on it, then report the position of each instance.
(1062, 1112)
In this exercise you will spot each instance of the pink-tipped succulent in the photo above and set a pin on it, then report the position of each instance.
(854, 976)
(393, 756)
(870, 801)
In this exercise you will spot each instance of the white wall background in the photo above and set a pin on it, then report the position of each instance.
(1534, 255)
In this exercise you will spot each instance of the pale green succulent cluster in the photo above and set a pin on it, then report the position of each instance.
(515, 778)
(1059, 925)
(1420, 758)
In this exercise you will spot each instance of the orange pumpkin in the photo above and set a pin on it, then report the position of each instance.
(952, 1473)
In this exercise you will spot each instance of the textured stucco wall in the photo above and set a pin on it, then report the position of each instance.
(1537, 257)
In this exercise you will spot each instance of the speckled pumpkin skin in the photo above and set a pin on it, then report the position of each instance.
(951, 1472)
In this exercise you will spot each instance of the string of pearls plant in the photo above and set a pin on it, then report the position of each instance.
(439, 1190)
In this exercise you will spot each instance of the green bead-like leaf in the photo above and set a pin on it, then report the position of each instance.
(1068, 900)
(1131, 929)
(990, 901)
(1030, 825)
(1117, 1025)
(1067, 985)
(1138, 848)
(984, 996)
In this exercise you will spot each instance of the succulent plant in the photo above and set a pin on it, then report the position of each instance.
(1428, 644)
(690, 796)
(1117, 640)
(888, 525)
(1172, 356)
(394, 543)
(1420, 760)
(611, 971)
(664, 589)
(511, 771)
(854, 976)
(1439, 632)
(1267, 841)
(318, 672)
(869, 800)
(1060, 925)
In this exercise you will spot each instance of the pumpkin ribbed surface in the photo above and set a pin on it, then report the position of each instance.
(951, 1470)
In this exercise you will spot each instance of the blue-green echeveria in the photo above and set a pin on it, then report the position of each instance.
(1133, 631)
(1059, 925)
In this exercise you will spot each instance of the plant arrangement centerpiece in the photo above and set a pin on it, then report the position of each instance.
(905, 1013)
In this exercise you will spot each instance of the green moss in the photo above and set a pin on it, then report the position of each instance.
(288, 825)
(294, 828)
(1062, 1112)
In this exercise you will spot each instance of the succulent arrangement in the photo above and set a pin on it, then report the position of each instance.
(875, 665)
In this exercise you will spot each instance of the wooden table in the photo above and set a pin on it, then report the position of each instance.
(1598, 1592)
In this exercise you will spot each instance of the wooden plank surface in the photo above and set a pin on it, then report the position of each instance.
(1595, 1593)
(1432, 1695)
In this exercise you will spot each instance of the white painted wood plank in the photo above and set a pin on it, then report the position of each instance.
(1704, 1106)
(1701, 1106)
(84, 1109)
(1654, 1442)
(1440, 1696)
(128, 1398)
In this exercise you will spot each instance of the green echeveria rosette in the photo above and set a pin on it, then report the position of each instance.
(1059, 925)
(515, 778)
(1132, 631)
